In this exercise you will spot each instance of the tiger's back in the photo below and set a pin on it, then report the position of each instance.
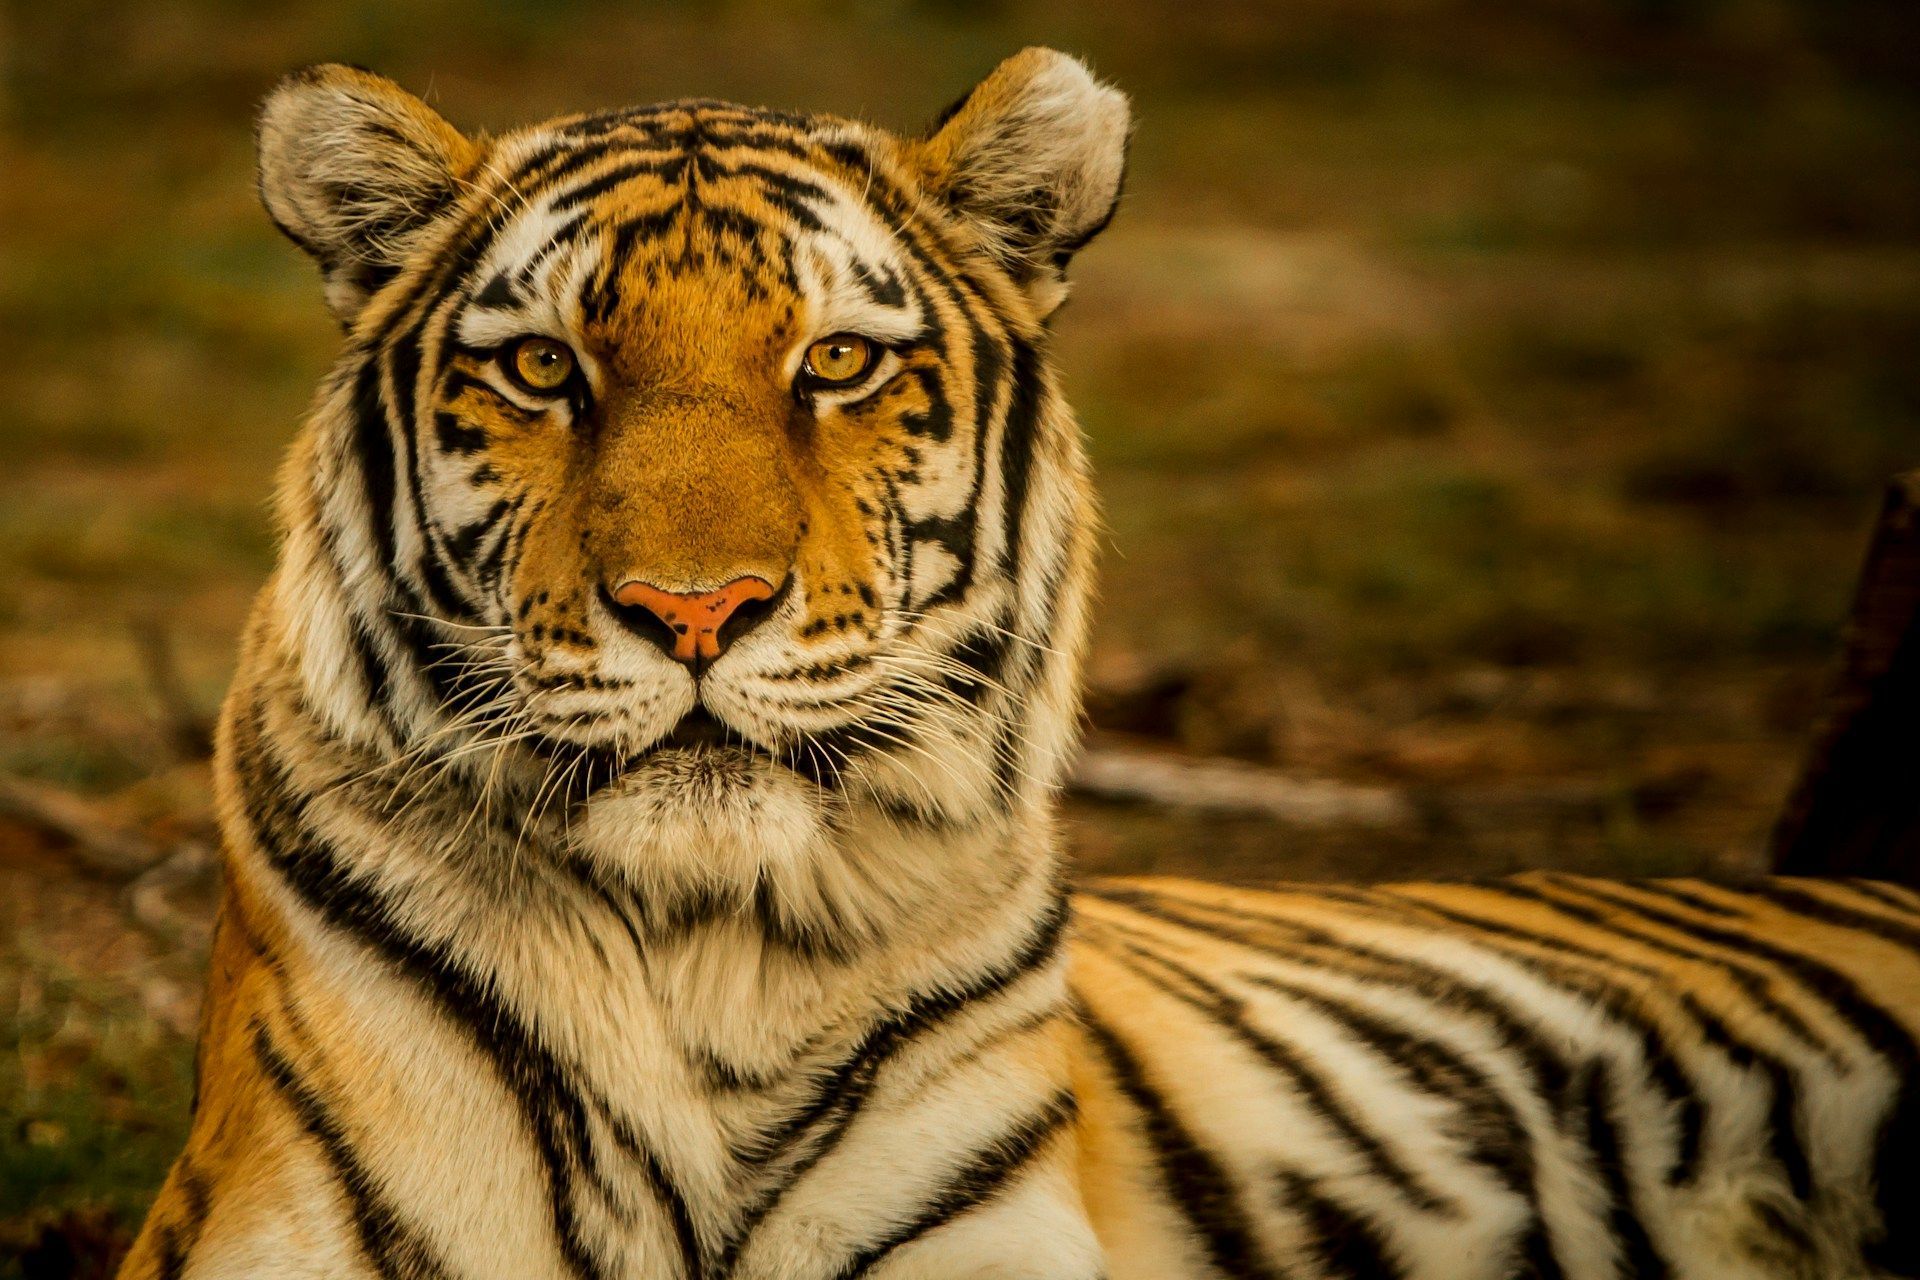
(1539, 1076)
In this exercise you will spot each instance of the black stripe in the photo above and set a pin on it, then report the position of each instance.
(668, 168)
(393, 1248)
(1899, 897)
(1315, 947)
(1790, 897)
(1783, 1133)
(1008, 739)
(1494, 1136)
(934, 423)
(560, 238)
(1601, 985)
(663, 917)
(1344, 1245)
(489, 569)
(1321, 1095)
(197, 1195)
(373, 448)
(498, 294)
(177, 1239)
(1675, 892)
(1640, 1258)
(403, 363)
(550, 1101)
(978, 1180)
(544, 170)
(883, 288)
(375, 672)
(1897, 1164)
(984, 652)
(456, 382)
(360, 635)
(790, 184)
(170, 1260)
(1539, 1056)
(1196, 1181)
(1784, 1137)
(1753, 983)
(603, 294)
(960, 534)
(1017, 439)
(844, 1092)
(373, 451)
(462, 541)
(456, 435)
(793, 205)
(427, 659)
(679, 1216)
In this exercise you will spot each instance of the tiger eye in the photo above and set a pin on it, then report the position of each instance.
(840, 359)
(541, 365)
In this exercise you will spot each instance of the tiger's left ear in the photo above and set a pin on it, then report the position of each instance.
(1033, 159)
(352, 168)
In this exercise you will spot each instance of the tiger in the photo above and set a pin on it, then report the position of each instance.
(638, 794)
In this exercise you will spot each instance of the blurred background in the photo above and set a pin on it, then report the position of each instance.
(1491, 400)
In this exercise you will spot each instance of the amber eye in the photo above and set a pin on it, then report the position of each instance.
(540, 365)
(840, 360)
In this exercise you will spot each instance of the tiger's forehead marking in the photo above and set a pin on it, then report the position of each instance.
(613, 213)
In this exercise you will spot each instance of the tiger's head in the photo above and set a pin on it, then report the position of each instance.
(708, 456)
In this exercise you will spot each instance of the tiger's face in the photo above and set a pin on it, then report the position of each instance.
(719, 411)
(712, 454)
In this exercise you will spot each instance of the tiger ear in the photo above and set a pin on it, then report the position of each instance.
(1033, 158)
(352, 167)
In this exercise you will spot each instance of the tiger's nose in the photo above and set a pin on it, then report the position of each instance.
(694, 627)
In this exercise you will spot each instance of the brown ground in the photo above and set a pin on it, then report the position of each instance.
(1489, 404)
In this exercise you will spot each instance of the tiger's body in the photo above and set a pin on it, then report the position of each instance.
(637, 796)
(1538, 1076)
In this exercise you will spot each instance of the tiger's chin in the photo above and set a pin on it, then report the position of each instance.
(713, 817)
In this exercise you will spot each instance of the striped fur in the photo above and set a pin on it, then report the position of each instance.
(1541, 1076)
(542, 956)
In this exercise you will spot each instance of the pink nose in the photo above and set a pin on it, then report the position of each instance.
(695, 618)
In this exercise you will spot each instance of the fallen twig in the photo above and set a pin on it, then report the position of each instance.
(101, 847)
(1230, 786)
(188, 729)
(149, 897)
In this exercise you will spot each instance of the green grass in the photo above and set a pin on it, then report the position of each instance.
(93, 1100)
(78, 1053)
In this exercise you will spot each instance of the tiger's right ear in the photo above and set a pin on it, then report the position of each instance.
(352, 167)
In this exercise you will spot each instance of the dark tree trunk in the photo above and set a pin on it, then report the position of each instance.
(1856, 809)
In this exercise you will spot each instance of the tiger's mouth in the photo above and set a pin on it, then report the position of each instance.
(698, 729)
(700, 735)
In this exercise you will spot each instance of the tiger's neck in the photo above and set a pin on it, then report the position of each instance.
(668, 1074)
(684, 971)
